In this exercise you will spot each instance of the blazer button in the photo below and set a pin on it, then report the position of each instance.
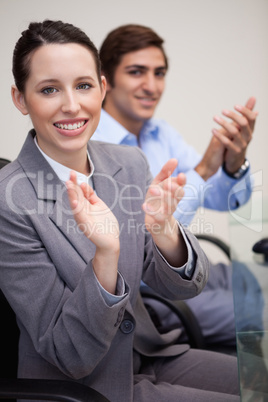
(127, 326)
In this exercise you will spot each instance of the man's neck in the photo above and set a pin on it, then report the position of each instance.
(132, 125)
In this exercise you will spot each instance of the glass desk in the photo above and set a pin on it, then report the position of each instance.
(247, 226)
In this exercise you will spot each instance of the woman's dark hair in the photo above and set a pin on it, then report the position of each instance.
(43, 33)
(126, 39)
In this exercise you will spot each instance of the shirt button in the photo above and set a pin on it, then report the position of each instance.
(127, 326)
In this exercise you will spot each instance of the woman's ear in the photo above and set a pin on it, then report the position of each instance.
(103, 86)
(18, 100)
(108, 87)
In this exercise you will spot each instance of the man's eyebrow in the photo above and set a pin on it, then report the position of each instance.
(139, 66)
(142, 67)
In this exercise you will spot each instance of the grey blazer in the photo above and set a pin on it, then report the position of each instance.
(67, 328)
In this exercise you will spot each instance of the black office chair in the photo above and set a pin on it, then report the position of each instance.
(193, 334)
(224, 247)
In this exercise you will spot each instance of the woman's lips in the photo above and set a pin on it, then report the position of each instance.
(71, 128)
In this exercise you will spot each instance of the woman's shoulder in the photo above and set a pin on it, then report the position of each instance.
(8, 171)
(11, 184)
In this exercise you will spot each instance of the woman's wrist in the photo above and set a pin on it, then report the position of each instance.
(171, 244)
(105, 265)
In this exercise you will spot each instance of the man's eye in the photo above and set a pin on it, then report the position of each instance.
(83, 86)
(160, 74)
(48, 91)
(135, 72)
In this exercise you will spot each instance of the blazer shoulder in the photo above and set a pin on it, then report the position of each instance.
(9, 170)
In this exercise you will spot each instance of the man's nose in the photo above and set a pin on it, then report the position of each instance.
(150, 83)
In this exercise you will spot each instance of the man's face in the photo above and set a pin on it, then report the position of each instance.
(139, 82)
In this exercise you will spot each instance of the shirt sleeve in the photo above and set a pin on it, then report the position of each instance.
(120, 292)
(220, 192)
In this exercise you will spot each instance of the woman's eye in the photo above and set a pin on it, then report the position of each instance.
(83, 86)
(48, 91)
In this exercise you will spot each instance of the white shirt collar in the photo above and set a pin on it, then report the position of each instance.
(63, 172)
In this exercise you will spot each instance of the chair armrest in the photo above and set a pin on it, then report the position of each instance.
(184, 313)
(218, 242)
(50, 390)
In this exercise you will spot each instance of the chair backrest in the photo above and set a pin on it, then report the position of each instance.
(4, 162)
(9, 337)
(9, 334)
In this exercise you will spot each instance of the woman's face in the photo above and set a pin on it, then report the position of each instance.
(63, 97)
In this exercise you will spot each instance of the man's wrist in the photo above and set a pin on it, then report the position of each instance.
(203, 171)
(239, 173)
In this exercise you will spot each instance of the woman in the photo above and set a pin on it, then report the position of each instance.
(81, 224)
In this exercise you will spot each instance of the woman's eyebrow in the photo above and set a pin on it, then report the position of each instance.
(48, 81)
(55, 80)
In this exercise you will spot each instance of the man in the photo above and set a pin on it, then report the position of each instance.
(135, 64)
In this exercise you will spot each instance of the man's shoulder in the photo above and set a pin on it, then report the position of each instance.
(161, 127)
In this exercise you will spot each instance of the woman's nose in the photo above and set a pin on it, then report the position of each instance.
(70, 104)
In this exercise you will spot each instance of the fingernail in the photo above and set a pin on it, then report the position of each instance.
(238, 107)
(218, 119)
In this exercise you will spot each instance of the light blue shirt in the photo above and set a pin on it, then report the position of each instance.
(161, 142)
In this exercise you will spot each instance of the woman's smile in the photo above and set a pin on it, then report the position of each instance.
(71, 127)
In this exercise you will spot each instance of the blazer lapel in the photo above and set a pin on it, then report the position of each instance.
(52, 191)
(106, 174)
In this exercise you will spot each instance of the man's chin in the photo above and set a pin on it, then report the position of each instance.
(147, 116)
(146, 113)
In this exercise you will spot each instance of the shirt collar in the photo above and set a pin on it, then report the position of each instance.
(150, 127)
(110, 130)
(63, 172)
(108, 125)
